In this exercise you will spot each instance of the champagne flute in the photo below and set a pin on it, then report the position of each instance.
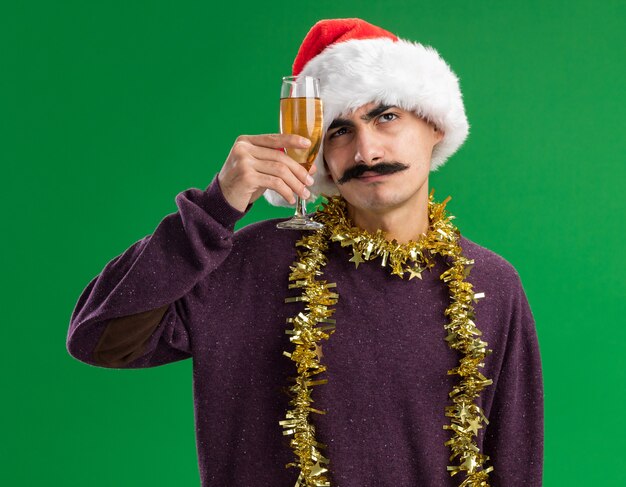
(301, 114)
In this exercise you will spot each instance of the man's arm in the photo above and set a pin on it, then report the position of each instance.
(133, 313)
(514, 436)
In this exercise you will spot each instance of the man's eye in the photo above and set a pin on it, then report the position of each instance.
(338, 132)
(387, 117)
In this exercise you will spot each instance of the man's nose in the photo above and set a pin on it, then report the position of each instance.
(369, 149)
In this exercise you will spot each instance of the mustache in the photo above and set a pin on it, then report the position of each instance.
(380, 168)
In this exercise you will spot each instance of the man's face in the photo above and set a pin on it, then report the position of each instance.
(379, 156)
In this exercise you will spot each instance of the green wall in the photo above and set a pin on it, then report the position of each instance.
(109, 109)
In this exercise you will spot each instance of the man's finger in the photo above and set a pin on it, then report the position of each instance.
(276, 141)
(263, 153)
(281, 171)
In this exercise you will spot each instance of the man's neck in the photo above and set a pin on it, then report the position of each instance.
(402, 223)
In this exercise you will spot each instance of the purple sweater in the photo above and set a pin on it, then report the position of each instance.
(197, 289)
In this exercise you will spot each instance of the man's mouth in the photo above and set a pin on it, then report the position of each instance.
(371, 175)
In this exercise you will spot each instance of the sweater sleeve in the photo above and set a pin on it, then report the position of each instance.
(514, 436)
(134, 313)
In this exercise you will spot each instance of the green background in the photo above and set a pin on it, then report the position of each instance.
(109, 109)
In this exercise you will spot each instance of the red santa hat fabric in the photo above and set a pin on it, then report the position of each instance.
(333, 31)
(359, 63)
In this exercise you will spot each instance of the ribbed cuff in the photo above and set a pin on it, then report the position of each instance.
(219, 208)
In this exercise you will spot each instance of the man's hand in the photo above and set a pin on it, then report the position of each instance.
(254, 165)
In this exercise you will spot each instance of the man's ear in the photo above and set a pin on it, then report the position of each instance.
(439, 135)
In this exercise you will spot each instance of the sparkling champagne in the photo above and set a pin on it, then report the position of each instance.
(302, 116)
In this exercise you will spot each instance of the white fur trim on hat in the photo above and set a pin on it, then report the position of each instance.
(402, 73)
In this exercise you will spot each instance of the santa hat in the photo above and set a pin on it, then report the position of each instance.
(358, 63)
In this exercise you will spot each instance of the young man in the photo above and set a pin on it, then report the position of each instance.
(382, 350)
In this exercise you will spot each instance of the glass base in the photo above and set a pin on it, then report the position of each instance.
(299, 223)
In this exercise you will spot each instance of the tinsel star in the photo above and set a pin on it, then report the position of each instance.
(469, 463)
(474, 425)
(357, 258)
(317, 469)
(463, 412)
(318, 351)
(415, 272)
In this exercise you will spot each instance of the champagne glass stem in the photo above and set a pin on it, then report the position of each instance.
(300, 207)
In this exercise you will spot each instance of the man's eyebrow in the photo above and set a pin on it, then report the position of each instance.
(373, 113)
(340, 122)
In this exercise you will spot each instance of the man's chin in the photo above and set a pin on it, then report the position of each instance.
(374, 197)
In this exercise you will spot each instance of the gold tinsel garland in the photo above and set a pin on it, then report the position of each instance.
(315, 324)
